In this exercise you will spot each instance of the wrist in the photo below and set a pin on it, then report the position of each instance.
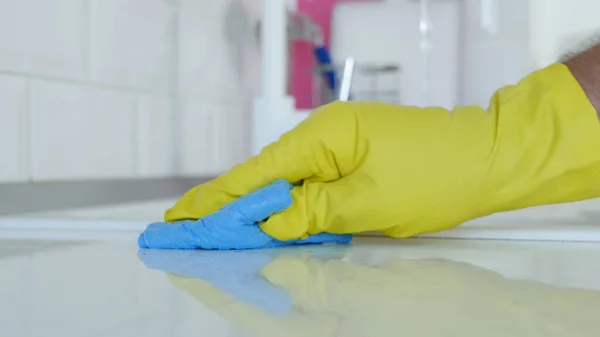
(585, 67)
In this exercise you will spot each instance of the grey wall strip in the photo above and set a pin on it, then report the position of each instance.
(35, 197)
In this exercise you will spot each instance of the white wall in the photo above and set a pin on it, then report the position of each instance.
(468, 63)
(115, 88)
(493, 55)
(529, 34)
(388, 32)
(559, 25)
(162, 87)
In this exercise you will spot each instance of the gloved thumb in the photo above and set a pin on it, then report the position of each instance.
(317, 207)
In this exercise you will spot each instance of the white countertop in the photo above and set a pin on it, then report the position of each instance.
(374, 287)
(74, 273)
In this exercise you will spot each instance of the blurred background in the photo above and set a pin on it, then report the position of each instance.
(105, 101)
(111, 109)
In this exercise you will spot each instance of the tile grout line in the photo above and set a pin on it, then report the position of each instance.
(215, 142)
(88, 84)
(136, 136)
(105, 86)
(26, 157)
(175, 99)
(87, 37)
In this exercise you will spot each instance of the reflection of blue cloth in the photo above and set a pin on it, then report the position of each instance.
(233, 273)
(235, 226)
(237, 273)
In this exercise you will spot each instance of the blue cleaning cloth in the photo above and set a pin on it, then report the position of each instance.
(234, 226)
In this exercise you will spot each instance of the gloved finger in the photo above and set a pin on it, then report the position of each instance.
(312, 151)
(216, 233)
(320, 239)
(323, 207)
(260, 204)
(234, 226)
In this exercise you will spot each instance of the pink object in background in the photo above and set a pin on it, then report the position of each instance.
(303, 61)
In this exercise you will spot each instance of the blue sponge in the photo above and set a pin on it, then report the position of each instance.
(235, 226)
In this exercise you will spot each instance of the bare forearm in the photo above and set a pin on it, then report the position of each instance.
(585, 67)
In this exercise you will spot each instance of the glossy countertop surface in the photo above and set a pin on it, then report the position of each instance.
(105, 286)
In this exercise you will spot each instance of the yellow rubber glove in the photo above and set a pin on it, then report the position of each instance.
(405, 170)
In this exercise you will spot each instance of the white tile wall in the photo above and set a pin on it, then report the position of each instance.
(13, 92)
(156, 156)
(131, 43)
(491, 65)
(43, 37)
(89, 89)
(207, 68)
(232, 136)
(493, 59)
(79, 132)
(511, 18)
(213, 138)
(196, 151)
(109, 73)
(558, 27)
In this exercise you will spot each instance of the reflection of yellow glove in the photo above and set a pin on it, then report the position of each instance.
(254, 321)
(433, 298)
(406, 298)
(406, 170)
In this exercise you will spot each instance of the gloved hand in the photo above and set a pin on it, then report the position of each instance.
(396, 297)
(405, 170)
(234, 226)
